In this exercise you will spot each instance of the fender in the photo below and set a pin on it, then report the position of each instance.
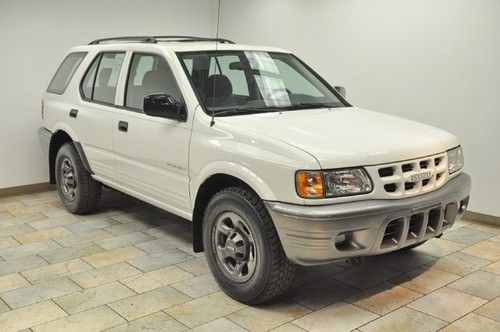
(79, 148)
(67, 129)
(238, 171)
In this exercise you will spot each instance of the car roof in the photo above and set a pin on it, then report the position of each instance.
(178, 46)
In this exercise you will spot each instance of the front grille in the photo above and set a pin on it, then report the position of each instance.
(413, 177)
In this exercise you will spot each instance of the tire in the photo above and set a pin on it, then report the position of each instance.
(268, 271)
(80, 194)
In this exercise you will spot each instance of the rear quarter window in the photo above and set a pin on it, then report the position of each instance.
(65, 72)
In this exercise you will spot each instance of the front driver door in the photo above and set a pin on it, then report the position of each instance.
(151, 153)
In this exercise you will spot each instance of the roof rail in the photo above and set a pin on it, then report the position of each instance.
(156, 39)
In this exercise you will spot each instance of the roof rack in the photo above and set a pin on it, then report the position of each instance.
(156, 39)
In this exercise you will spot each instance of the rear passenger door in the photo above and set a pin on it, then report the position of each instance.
(151, 152)
(93, 119)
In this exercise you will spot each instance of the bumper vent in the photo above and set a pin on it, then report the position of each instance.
(392, 234)
(405, 231)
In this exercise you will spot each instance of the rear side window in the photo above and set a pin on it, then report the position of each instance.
(65, 72)
(101, 79)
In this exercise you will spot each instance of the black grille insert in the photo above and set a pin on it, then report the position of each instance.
(424, 164)
(385, 172)
(390, 188)
(409, 185)
(407, 167)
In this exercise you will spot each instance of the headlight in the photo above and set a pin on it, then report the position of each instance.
(455, 159)
(341, 182)
(345, 182)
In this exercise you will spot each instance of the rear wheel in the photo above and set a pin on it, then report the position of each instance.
(242, 247)
(79, 192)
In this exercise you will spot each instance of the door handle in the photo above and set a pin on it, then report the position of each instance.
(123, 126)
(73, 113)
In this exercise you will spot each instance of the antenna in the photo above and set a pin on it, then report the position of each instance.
(212, 122)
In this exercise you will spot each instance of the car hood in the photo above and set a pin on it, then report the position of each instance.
(350, 136)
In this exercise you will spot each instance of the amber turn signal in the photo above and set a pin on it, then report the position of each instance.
(309, 184)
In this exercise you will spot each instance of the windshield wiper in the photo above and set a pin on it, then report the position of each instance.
(308, 106)
(246, 110)
(252, 110)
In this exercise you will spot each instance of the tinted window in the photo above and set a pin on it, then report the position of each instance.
(149, 74)
(101, 79)
(294, 81)
(65, 72)
(256, 81)
(220, 65)
(189, 65)
(88, 81)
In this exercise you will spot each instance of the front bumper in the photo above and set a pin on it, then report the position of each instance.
(308, 233)
(45, 136)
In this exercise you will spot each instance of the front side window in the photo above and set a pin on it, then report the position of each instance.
(242, 82)
(65, 72)
(149, 74)
(101, 79)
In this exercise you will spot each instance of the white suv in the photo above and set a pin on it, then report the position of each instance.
(270, 163)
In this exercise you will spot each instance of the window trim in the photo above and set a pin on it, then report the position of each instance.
(199, 99)
(99, 55)
(58, 92)
(138, 110)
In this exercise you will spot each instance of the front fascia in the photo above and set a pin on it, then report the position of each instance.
(309, 234)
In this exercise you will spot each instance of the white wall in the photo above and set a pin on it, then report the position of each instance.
(35, 34)
(433, 61)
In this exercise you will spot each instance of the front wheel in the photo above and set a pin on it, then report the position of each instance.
(242, 247)
(79, 192)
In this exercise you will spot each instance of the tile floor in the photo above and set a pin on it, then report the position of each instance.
(130, 267)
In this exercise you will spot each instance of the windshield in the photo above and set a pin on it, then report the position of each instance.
(242, 82)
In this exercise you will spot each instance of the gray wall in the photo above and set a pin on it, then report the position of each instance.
(436, 62)
(35, 34)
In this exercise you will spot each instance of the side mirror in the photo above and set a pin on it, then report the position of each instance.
(164, 106)
(341, 90)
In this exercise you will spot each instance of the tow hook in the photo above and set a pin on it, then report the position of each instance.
(356, 261)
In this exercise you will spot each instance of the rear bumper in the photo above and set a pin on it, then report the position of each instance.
(308, 233)
(45, 136)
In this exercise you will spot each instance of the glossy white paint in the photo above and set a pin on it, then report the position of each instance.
(347, 137)
(165, 162)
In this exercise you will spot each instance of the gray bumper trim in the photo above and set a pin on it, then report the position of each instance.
(45, 136)
(308, 233)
